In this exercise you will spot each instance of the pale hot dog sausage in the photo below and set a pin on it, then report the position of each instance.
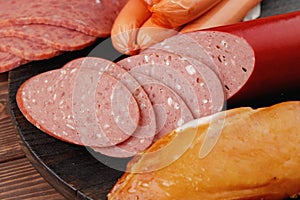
(125, 28)
(224, 13)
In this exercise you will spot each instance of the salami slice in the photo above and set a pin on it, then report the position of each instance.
(194, 82)
(57, 37)
(50, 108)
(9, 61)
(27, 49)
(42, 92)
(232, 55)
(118, 118)
(184, 46)
(88, 104)
(170, 112)
(146, 125)
(218, 51)
(90, 16)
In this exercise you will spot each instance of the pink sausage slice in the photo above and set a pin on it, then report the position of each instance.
(97, 113)
(57, 37)
(170, 112)
(93, 17)
(146, 125)
(43, 92)
(27, 49)
(232, 55)
(229, 56)
(184, 46)
(194, 82)
(9, 61)
(51, 107)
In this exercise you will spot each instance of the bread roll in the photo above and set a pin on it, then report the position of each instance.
(256, 155)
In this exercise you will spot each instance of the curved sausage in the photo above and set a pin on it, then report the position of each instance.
(224, 13)
(151, 2)
(151, 33)
(125, 28)
(168, 13)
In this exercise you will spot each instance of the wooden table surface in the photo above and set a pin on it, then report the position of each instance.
(18, 178)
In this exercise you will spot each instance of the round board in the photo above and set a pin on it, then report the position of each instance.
(72, 169)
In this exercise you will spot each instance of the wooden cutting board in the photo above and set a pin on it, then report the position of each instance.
(73, 170)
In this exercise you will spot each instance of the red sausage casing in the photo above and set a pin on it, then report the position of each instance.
(275, 41)
(252, 59)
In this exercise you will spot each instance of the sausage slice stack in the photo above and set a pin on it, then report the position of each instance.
(119, 109)
(36, 30)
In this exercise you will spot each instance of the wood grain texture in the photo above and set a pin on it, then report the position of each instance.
(71, 169)
(19, 180)
(3, 95)
(9, 143)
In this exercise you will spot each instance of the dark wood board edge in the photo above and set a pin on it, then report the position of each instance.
(60, 185)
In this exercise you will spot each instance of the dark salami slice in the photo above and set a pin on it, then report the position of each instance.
(170, 113)
(51, 107)
(89, 16)
(9, 61)
(194, 82)
(27, 49)
(57, 37)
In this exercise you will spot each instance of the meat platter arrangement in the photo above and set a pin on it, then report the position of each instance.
(169, 120)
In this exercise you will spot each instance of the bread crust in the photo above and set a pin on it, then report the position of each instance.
(257, 156)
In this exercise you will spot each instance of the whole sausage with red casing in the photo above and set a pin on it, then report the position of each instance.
(252, 58)
(276, 44)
